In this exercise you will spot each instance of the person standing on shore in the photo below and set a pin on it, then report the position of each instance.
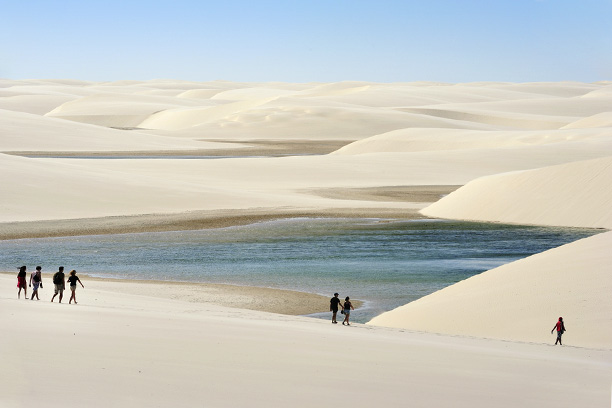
(36, 279)
(560, 326)
(59, 283)
(333, 307)
(21, 282)
(347, 310)
(73, 279)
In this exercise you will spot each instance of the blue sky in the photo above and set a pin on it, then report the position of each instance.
(308, 40)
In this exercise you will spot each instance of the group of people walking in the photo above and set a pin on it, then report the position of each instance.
(334, 304)
(36, 283)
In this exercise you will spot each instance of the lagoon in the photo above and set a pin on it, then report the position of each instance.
(385, 263)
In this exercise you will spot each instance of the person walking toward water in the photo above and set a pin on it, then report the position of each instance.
(59, 283)
(333, 307)
(36, 279)
(73, 279)
(347, 310)
(560, 326)
(21, 282)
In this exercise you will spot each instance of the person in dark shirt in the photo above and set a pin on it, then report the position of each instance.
(21, 282)
(36, 280)
(333, 307)
(58, 282)
(560, 326)
(73, 279)
(348, 306)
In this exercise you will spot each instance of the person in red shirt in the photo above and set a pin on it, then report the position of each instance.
(21, 282)
(560, 330)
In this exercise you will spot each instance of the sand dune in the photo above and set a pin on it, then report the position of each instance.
(436, 139)
(599, 120)
(516, 301)
(28, 132)
(522, 300)
(534, 153)
(116, 110)
(573, 194)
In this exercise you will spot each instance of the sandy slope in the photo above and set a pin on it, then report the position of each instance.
(519, 300)
(575, 194)
(138, 351)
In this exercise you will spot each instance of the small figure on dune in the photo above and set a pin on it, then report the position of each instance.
(347, 310)
(21, 282)
(333, 307)
(73, 279)
(36, 280)
(59, 283)
(560, 326)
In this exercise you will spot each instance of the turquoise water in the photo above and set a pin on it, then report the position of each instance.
(382, 262)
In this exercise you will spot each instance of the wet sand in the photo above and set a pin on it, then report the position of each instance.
(287, 302)
(194, 220)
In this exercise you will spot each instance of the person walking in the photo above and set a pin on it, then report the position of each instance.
(21, 282)
(560, 326)
(73, 279)
(348, 306)
(36, 280)
(59, 283)
(333, 307)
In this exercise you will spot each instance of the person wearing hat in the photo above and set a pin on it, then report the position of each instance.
(333, 307)
(560, 326)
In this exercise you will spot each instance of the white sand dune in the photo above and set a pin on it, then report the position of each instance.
(28, 132)
(517, 301)
(117, 110)
(599, 120)
(176, 119)
(574, 194)
(521, 301)
(535, 153)
(436, 139)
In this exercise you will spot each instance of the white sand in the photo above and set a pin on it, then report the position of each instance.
(120, 350)
(517, 301)
(536, 153)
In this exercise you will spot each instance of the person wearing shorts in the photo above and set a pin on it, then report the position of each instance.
(73, 279)
(36, 280)
(333, 307)
(347, 310)
(60, 284)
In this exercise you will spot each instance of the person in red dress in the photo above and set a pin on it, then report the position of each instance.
(21, 282)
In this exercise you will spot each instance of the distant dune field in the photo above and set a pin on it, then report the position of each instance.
(530, 153)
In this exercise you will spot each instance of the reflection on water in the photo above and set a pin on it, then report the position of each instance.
(385, 263)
